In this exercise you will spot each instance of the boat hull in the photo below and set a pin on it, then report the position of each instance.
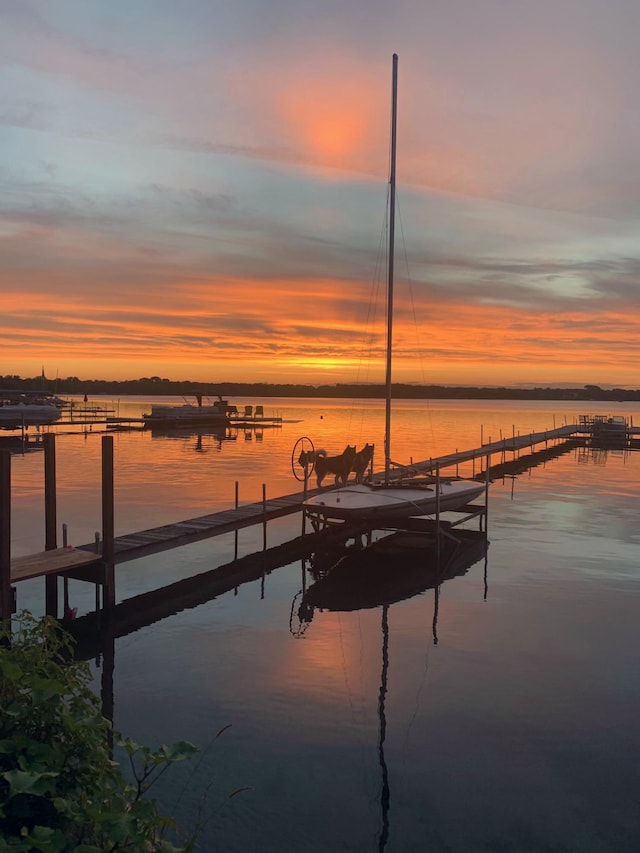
(365, 502)
(18, 415)
(187, 421)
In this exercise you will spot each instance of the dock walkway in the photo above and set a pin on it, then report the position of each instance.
(87, 563)
(511, 444)
(157, 539)
(55, 561)
(144, 542)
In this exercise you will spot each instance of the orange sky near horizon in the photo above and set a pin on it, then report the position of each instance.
(441, 343)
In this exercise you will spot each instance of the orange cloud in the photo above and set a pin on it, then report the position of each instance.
(323, 120)
(307, 331)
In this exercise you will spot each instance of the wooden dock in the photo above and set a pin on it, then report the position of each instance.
(145, 542)
(56, 561)
(88, 563)
(513, 444)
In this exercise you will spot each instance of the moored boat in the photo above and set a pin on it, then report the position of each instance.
(21, 409)
(371, 501)
(216, 413)
(186, 414)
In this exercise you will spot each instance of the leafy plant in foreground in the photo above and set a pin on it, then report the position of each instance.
(60, 789)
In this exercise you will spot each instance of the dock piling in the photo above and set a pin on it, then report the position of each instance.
(6, 596)
(237, 504)
(50, 520)
(264, 509)
(108, 533)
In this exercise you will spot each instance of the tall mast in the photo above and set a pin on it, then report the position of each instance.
(392, 230)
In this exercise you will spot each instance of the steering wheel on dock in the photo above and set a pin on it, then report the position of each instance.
(303, 449)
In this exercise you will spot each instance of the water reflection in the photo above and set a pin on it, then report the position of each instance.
(199, 439)
(371, 572)
(99, 628)
(599, 453)
(27, 443)
(203, 439)
(368, 572)
(525, 705)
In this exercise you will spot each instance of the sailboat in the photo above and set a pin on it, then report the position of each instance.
(392, 498)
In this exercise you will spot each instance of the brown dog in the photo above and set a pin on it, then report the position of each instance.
(339, 466)
(361, 461)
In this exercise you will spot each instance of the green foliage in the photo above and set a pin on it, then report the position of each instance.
(60, 790)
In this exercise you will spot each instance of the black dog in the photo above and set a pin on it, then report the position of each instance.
(339, 466)
(361, 461)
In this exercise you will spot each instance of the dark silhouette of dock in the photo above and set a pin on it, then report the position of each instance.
(95, 562)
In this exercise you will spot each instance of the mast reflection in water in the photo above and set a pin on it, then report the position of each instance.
(380, 573)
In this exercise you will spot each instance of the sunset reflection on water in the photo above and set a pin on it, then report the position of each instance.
(525, 704)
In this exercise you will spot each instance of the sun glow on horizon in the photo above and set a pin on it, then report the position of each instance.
(313, 333)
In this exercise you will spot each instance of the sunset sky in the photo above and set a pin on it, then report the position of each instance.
(196, 189)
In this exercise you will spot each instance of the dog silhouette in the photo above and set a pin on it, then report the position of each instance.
(339, 466)
(361, 461)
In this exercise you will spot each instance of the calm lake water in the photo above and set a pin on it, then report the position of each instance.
(355, 731)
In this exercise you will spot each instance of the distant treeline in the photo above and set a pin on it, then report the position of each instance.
(156, 386)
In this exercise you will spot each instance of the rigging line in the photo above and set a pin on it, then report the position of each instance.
(415, 317)
(442, 566)
(388, 213)
(411, 289)
(367, 345)
(421, 685)
(385, 795)
(350, 693)
(358, 718)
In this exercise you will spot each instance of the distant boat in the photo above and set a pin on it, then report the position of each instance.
(190, 414)
(606, 431)
(616, 425)
(217, 413)
(402, 497)
(21, 409)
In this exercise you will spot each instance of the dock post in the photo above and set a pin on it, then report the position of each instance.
(109, 597)
(237, 503)
(264, 516)
(305, 490)
(6, 598)
(50, 520)
(98, 586)
(65, 580)
(438, 511)
(487, 483)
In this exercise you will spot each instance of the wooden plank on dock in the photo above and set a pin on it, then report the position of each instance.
(53, 562)
(143, 543)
